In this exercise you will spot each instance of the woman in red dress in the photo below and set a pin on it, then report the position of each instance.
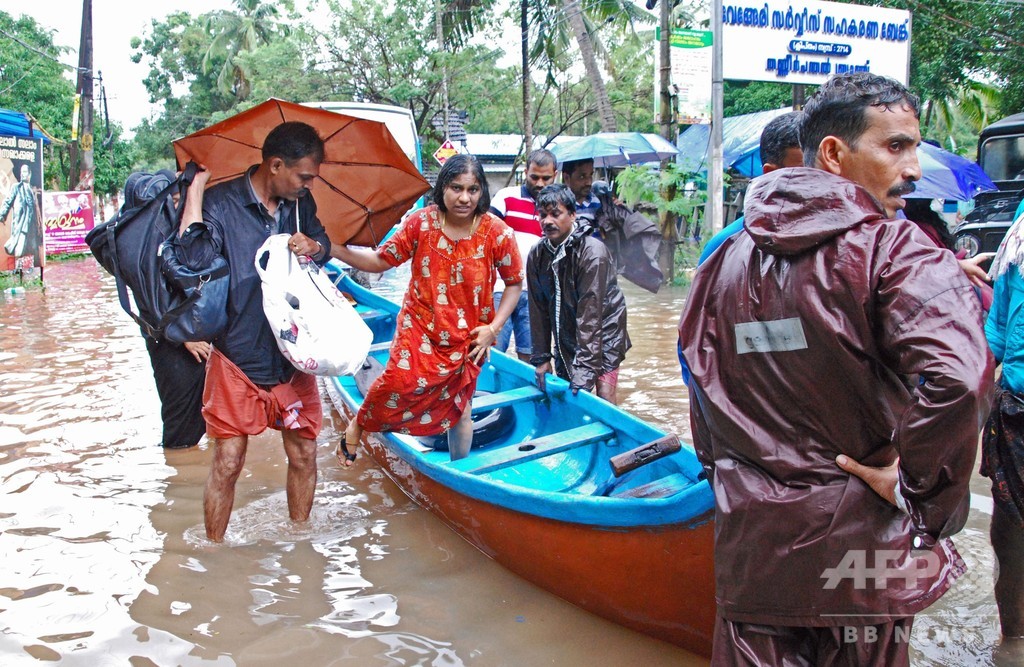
(447, 322)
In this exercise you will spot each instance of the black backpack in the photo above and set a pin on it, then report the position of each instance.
(173, 302)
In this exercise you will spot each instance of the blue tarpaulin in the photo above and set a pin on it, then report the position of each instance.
(741, 143)
(18, 124)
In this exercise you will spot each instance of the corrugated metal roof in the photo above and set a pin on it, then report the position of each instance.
(20, 124)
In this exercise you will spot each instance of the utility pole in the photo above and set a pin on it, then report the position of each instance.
(714, 210)
(524, 47)
(666, 124)
(81, 175)
(665, 71)
(799, 96)
(439, 14)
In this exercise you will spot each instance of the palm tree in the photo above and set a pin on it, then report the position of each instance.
(583, 27)
(974, 102)
(579, 28)
(973, 106)
(553, 25)
(236, 32)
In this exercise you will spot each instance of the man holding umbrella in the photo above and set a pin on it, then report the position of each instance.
(250, 386)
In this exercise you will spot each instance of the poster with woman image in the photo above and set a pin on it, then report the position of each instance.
(21, 220)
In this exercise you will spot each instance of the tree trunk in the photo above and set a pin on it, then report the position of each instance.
(579, 29)
(524, 27)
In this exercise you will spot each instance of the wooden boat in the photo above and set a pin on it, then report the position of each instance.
(541, 497)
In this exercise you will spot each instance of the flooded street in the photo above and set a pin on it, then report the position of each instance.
(105, 560)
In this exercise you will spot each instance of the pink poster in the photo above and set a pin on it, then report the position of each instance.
(67, 219)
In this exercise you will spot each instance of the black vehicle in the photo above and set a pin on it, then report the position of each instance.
(1001, 155)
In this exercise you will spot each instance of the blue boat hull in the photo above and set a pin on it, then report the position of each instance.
(542, 499)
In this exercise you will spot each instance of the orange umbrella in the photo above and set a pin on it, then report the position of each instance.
(366, 182)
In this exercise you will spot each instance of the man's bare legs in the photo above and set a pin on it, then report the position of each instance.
(301, 485)
(219, 495)
(228, 459)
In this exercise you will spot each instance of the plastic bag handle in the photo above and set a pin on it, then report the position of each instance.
(279, 257)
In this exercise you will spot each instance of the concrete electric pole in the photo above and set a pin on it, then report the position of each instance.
(80, 176)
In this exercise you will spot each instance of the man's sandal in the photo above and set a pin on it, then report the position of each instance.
(343, 451)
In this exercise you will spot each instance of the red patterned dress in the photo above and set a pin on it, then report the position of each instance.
(429, 379)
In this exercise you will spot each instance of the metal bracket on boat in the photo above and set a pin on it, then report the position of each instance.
(644, 454)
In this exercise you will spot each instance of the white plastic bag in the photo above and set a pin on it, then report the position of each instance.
(315, 326)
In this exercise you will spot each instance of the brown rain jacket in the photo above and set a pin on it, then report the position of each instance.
(826, 329)
(576, 300)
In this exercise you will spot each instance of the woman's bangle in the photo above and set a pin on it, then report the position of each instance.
(319, 248)
(493, 332)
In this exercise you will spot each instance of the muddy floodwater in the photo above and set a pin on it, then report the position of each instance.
(103, 559)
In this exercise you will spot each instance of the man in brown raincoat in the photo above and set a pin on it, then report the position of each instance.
(840, 377)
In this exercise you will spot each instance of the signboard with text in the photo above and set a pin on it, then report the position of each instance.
(807, 41)
(67, 218)
(690, 55)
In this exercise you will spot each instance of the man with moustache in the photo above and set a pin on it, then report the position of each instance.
(840, 377)
(517, 206)
(577, 310)
(250, 386)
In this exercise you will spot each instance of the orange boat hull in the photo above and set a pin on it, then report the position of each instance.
(656, 580)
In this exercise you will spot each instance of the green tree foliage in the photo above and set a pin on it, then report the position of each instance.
(114, 160)
(280, 70)
(632, 88)
(741, 97)
(237, 34)
(33, 81)
(174, 49)
(957, 50)
(387, 54)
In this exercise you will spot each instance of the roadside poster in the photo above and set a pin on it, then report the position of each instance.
(690, 55)
(445, 151)
(67, 218)
(21, 220)
(807, 41)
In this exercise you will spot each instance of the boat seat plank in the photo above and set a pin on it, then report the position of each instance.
(501, 399)
(478, 463)
(659, 488)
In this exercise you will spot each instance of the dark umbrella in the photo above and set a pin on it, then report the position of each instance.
(366, 181)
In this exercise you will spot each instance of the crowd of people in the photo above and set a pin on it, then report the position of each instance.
(467, 293)
(839, 358)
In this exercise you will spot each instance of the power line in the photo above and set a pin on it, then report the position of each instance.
(36, 50)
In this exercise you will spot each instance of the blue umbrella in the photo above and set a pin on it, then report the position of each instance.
(614, 149)
(945, 175)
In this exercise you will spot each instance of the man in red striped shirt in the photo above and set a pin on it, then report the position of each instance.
(516, 205)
